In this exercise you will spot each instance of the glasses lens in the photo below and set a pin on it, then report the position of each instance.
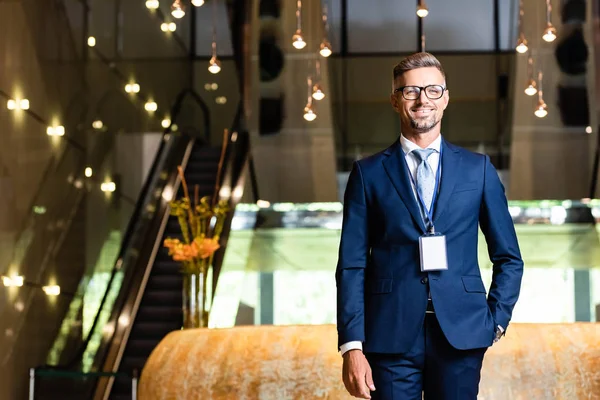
(411, 92)
(434, 92)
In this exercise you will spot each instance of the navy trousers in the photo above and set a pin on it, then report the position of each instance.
(432, 367)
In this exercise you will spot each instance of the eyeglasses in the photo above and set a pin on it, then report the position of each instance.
(433, 92)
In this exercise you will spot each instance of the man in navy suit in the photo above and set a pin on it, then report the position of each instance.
(413, 315)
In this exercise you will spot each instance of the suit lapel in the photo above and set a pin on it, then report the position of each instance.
(397, 171)
(451, 159)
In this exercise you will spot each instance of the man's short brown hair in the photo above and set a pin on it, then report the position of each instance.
(418, 60)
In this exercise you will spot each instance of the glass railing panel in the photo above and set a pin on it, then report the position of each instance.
(280, 263)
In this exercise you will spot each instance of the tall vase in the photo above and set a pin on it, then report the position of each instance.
(194, 314)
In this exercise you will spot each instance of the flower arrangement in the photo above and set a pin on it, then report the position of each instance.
(201, 223)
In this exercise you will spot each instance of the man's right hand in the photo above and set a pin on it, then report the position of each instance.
(357, 374)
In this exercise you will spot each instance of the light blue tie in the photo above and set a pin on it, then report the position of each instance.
(425, 178)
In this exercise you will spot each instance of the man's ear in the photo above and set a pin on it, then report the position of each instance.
(394, 102)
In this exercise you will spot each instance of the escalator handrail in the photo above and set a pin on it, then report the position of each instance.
(135, 217)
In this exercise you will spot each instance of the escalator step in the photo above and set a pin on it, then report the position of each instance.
(164, 265)
(165, 282)
(162, 298)
(153, 330)
(159, 313)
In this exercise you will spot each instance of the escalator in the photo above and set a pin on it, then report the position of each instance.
(159, 311)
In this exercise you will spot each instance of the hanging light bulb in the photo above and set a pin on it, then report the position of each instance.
(522, 44)
(309, 112)
(550, 31)
(422, 10)
(197, 3)
(541, 110)
(531, 89)
(521, 41)
(317, 93)
(214, 65)
(177, 9)
(297, 40)
(325, 48)
(152, 4)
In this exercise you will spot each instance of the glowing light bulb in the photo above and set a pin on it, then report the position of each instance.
(422, 11)
(317, 92)
(214, 65)
(11, 104)
(24, 104)
(531, 88)
(541, 110)
(197, 3)
(152, 4)
(309, 113)
(88, 172)
(165, 123)
(325, 49)
(522, 44)
(97, 124)
(151, 106)
(91, 41)
(298, 41)
(549, 33)
(177, 10)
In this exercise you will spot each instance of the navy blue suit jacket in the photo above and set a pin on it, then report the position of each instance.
(381, 293)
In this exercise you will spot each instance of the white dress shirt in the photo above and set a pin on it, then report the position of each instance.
(413, 163)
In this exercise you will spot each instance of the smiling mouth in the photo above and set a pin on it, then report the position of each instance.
(423, 111)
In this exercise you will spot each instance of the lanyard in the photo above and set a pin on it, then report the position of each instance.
(429, 213)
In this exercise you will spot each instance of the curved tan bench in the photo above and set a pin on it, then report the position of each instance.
(535, 361)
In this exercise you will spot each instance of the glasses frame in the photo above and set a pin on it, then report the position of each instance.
(421, 89)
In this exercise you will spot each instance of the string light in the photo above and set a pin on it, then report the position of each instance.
(108, 187)
(197, 3)
(151, 106)
(541, 109)
(177, 9)
(521, 41)
(297, 40)
(91, 41)
(531, 88)
(214, 65)
(550, 31)
(58, 130)
(309, 112)
(317, 91)
(325, 46)
(422, 10)
(132, 88)
(152, 4)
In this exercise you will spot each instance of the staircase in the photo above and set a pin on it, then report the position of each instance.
(160, 309)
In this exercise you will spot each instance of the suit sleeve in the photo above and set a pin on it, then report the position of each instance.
(352, 261)
(503, 248)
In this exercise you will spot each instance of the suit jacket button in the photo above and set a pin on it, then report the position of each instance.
(424, 281)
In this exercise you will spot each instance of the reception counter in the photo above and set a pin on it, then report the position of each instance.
(534, 361)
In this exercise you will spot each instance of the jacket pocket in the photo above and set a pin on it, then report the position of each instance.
(473, 284)
(380, 286)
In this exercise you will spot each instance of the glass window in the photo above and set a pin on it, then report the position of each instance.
(381, 26)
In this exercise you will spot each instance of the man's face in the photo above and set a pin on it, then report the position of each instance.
(423, 113)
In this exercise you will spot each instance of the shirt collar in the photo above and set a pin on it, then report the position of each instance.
(408, 146)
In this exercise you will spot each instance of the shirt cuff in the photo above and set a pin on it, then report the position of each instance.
(351, 346)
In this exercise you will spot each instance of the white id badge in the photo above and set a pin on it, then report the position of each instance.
(433, 253)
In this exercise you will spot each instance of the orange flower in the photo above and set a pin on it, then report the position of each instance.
(206, 247)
